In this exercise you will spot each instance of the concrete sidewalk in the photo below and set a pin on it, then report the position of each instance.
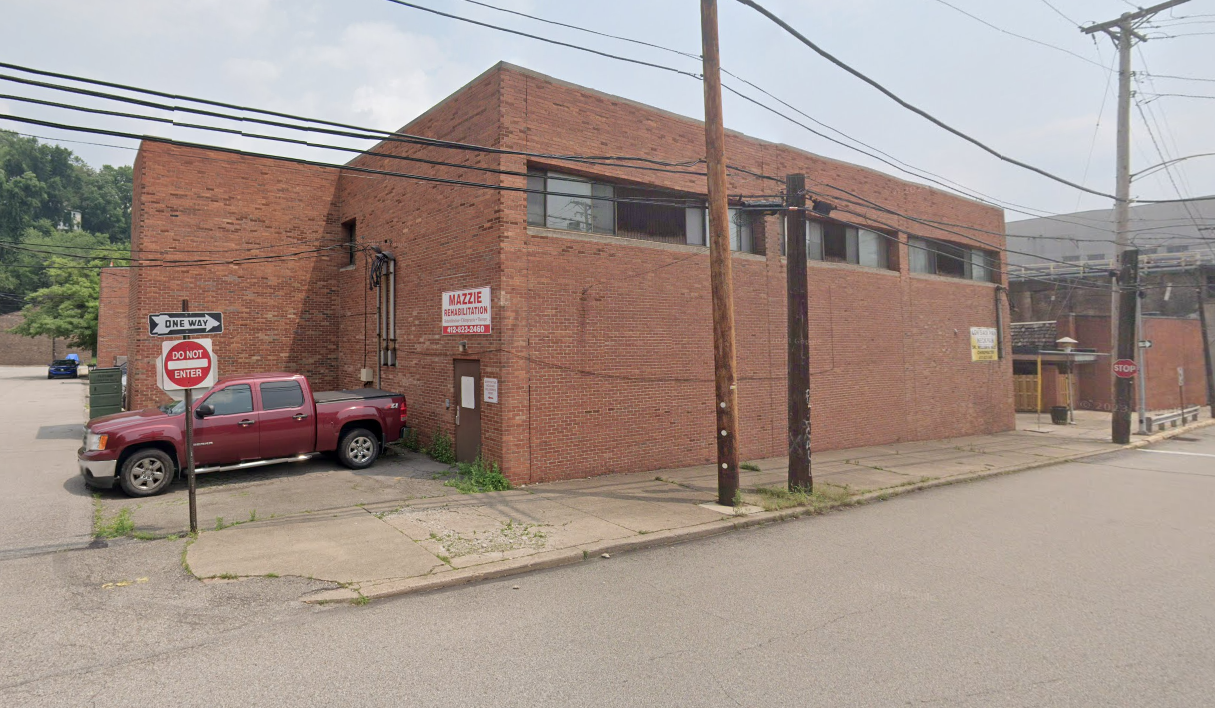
(390, 547)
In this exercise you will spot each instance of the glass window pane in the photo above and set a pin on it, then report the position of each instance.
(573, 213)
(740, 231)
(535, 200)
(919, 255)
(871, 248)
(281, 394)
(603, 211)
(978, 265)
(694, 224)
(232, 400)
(814, 240)
(850, 252)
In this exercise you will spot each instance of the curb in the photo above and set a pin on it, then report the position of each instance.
(670, 537)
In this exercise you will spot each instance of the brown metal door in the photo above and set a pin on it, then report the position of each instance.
(468, 409)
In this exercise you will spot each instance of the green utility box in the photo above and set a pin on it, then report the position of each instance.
(105, 392)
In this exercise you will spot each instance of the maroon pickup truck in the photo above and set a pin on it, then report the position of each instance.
(242, 421)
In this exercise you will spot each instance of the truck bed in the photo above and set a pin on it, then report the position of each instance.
(355, 394)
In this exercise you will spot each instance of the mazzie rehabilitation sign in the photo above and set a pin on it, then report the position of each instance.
(467, 311)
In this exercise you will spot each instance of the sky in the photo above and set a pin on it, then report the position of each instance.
(379, 64)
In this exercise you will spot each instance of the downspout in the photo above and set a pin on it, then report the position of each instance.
(999, 324)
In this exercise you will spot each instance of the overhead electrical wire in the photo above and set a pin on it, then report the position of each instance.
(918, 111)
(1010, 33)
(545, 39)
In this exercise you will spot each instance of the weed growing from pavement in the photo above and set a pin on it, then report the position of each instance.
(219, 523)
(824, 496)
(228, 576)
(271, 575)
(478, 476)
(441, 448)
(253, 515)
(361, 600)
(749, 466)
(445, 559)
(120, 525)
(410, 440)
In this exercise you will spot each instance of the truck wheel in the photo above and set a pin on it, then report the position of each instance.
(359, 449)
(146, 473)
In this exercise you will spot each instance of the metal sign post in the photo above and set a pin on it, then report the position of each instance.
(184, 366)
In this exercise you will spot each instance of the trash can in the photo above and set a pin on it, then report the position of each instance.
(1058, 415)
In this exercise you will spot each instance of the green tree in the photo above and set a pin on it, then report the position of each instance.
(67, 307)
(40, 186)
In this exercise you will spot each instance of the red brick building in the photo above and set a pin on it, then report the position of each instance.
(601, 344)
(113, 311)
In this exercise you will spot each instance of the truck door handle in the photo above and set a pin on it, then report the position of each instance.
(245, 423)
(300, 416)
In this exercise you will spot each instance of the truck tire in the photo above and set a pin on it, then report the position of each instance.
(146, 473)
(358, 449)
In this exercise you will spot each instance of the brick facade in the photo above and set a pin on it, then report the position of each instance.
(1176, 342)
(16, 350)
(113, 310)
(602, 345)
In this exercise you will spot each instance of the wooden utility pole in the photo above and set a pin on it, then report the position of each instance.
(1122, 31)
(1206, 350)
(719, 264)
(1124, 389)
(191, 485)
(798, 304)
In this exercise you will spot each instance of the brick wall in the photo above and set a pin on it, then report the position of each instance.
(617, 374)
(602, 346)
(1175, 342)
(16, 350)
(230, 212)
(113, 316)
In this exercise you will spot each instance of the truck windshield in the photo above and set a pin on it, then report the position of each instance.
(173, 408)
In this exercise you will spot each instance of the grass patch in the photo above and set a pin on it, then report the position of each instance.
(410, 440)
(749, 466)
(824, 496)
(478, 476)
(271, 575)
(120, 525)
(441, 448)
(228, 576)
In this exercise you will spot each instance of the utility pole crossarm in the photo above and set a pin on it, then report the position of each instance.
(1131, 16)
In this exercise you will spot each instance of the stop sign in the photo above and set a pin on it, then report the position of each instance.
(187, 364)
(1125, 368)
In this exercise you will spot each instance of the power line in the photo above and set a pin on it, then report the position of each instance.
(920, 112)
(546, 39)
(364, 132)
(689, 55)
(1021, 36)
(1059, 12)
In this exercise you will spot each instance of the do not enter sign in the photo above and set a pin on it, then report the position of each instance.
(187, 364)
(1125, 368)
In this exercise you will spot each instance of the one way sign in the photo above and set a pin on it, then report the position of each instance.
(175, 324)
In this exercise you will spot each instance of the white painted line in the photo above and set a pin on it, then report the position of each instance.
(1176, 452)
(188, 364)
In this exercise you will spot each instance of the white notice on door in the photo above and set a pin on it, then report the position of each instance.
(489, 387)
(468, 392)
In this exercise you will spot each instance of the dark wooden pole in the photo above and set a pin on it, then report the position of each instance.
(1206, 351)
(1124, 389)
(719, 264)
(190, 482)
(798, 304)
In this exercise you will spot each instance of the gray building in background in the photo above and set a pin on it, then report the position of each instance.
(1161, 232)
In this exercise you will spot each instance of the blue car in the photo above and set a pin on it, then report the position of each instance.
(63, 369)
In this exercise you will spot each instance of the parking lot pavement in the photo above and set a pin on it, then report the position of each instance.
(43, 501)
(320, 484)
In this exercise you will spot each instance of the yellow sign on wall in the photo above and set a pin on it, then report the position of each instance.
(983, 344)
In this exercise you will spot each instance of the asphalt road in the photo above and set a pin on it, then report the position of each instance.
(1085, 584)
(43, 502)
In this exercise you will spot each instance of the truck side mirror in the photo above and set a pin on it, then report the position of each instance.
(204, 410)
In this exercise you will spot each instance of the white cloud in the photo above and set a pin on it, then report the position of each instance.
(396, 75)
(251, 71)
